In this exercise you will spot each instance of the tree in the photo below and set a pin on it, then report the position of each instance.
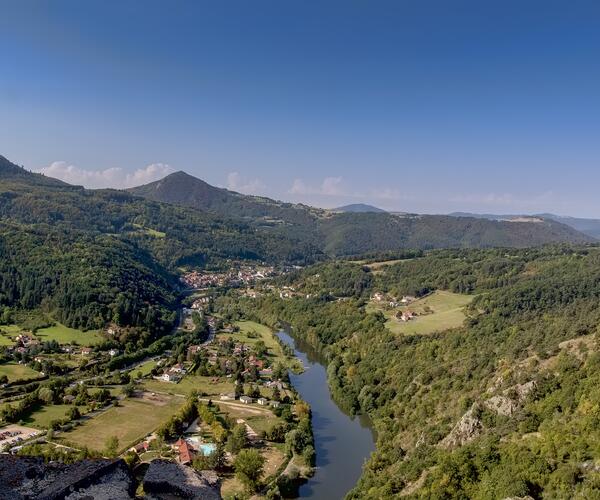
(248, 467)
(46, 395)
(238, 439)
(112, 446)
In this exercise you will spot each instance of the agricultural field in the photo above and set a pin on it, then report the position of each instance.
(15, 371)
(436, 312)
(133, 419)
(65, 335)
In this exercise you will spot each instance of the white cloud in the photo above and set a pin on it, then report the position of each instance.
(114, 177)
(331, 186)
(507, 200)
(235, 182)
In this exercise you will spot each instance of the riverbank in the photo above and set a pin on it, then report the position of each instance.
(342, 442)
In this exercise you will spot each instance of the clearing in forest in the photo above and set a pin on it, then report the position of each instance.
(436, 312)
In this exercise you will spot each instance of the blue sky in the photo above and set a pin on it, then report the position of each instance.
(426, 106)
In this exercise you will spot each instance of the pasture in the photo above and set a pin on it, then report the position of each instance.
(15, 371)
(436, 312)
(65, 335)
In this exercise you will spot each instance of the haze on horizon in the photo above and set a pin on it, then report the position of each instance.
(426, 107)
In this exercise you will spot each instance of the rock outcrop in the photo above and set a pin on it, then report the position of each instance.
(465, 430)
(167, 480)
(31, 478)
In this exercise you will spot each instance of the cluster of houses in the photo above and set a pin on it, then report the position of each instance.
(200, 303)
(245, 275)
(173, 374)
(392, 301)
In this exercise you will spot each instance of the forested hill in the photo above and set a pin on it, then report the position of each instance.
(352, 232)
(183, 189)
(90, 257)
(503, 403)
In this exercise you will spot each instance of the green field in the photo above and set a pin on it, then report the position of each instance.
(129, 422)
(14, 371)
(65, 335)
(145, 368)
(190, 383)
(447, 312)
(5, 340)
(41, 418)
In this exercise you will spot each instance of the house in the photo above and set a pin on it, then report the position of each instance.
(246, 400)
(194, 349)
(406, 316)
(170, 377)
(262, 401)
(275, 404)
(186, 454)
(178, 368)
(141, 447)
(86, 351)
(230, 396)
(407, 299)
(378, 296)
(68, 398)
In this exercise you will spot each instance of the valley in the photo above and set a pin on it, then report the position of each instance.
(143, 330)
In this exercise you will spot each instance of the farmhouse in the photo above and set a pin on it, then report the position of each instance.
(246, 399)
(171, 377)
(262, 401)
(186, 454)
(406, 316)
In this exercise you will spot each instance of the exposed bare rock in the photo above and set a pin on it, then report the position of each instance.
(167, 480)
(501, 405)
(465, 430)
(31, 478)
(522, 390)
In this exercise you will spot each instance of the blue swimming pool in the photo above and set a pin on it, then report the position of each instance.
(207, 448)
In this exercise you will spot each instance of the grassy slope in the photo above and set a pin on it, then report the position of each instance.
(448, 312)
(15, 371)
(65, 335)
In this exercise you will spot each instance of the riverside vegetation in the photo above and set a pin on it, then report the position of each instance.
(506, 405)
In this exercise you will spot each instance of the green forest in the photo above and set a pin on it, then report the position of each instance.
(505, 406)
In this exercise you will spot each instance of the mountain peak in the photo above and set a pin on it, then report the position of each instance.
(358, 208)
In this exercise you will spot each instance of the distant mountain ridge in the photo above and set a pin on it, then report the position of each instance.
(590, 227)
(358, 228)
(359, 208)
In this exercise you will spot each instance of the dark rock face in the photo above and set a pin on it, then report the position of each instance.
(31, 478)
(167, 480)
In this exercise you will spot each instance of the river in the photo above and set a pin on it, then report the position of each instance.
(342, 443)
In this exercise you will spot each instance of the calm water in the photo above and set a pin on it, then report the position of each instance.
(342, 443)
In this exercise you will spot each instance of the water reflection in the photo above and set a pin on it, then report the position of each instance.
(342, 443)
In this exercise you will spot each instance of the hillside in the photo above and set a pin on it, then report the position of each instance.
(358, 208)
(590, 227)
(185, 190)
(503, 404)
(357, 230)
(89, 257)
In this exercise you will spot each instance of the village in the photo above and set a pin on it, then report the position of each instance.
(234, 277)
(214, 390)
